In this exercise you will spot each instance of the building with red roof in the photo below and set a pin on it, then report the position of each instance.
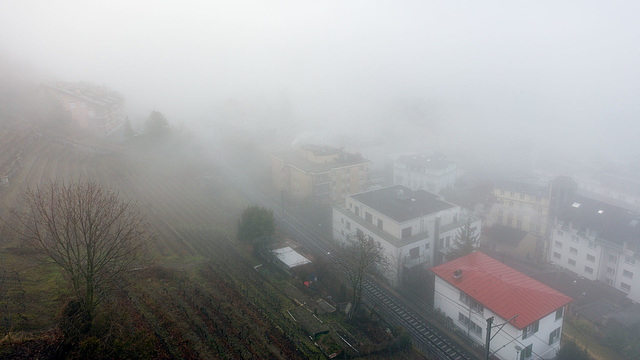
(476, 287)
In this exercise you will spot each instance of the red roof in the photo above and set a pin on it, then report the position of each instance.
(502, 289)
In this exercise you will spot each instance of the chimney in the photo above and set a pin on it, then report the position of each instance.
(457, 274)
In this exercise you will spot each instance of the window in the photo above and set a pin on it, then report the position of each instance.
(72, 105)
(613, 258)
(574, 238)
(572, 262)
(92, 113)
(473, 327)
(368, 217)
(556, 255)
(558, 244)
(591, 245)
(406, 232)
(608, 281)
(427, 246)
(357, 211)
(554, 336)
(559, 313)
(629, 260)
(448, 241)
(348, 225)
(521, 196)
(627, 274)
(526, 352)
(591, 258)
(379, 224)
(530, 330)
(83, 105)
(611, 271)
(573, 251)
(559, 232)
(625, 287)
(588, 270)
(471, 303)
(414, 253)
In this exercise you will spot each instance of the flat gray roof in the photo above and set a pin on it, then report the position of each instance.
(610, 222)
(294, 158)
(401, 203)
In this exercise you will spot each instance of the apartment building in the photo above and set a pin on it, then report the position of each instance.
(318, 173)
(476, 287)
(522, 203)
(598, 241)
(414, 227)
(424, 172)
(92, 107)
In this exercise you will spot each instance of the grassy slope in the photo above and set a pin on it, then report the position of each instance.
(205, 300)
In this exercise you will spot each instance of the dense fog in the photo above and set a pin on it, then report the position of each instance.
(490, 78)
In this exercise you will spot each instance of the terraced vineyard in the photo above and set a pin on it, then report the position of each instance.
(200, 298)
(196, 311)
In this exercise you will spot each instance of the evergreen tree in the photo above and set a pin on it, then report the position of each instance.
(465, 242)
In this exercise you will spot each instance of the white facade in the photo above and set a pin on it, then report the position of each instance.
(421, 172)
(594, 258)
(541, 341)
(406, 243)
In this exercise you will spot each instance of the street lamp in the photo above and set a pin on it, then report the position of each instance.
(518, 349)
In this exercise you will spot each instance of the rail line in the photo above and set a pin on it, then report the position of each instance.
(427, 338)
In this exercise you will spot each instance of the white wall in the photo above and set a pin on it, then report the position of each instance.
(446, 298)
(612, 265)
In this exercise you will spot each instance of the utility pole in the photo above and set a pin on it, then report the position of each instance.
(487, 351)
(489, 337)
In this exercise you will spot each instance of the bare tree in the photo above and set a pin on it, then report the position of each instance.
(93, 235)
(361, 255)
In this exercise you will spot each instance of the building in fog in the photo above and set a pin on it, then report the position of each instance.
(318, 173)
(414, 227)
(598, 241)
(523, 203)
(424, 172)
(92, 107)
(476, 287)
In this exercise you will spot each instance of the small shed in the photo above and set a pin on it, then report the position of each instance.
(289, 259)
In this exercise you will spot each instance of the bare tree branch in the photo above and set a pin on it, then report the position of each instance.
(93, 235)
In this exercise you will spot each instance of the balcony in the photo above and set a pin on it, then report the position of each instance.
(408, 262)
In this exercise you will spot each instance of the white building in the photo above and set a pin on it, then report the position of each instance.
(423, 172)
(404, 222)
(598, 241)
(476, 287)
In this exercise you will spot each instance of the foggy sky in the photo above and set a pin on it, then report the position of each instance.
(442, 75)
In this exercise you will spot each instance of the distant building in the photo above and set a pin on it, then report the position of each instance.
(415, 228)
(92, 107)
(476, 287)
(318, 173)
(598, 241)
(522, 203)
(424, 172)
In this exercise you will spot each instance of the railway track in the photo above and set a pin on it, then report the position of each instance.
(430, 340)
